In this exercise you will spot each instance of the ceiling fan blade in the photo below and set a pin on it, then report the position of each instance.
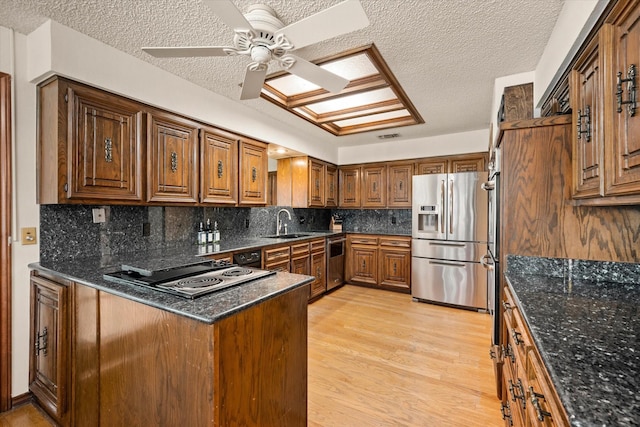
(253, 82)
(230, 14)
(340, 19)
(184, 52)
(317, 75)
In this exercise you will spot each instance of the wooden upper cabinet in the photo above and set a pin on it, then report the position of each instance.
(253, 172)
(400, 180)
(588, 138)
(331, 186)
(475, 162)
(316, 183)
(349, 179)
(622, 150)
(89, 145)
(427, 166)
(303, 182)
(172, 158)
(374, 186)
(218, 167)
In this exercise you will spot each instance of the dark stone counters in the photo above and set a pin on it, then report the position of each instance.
(587, 331)
(208, 308)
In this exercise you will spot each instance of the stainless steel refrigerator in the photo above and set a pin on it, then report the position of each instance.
(449, 231)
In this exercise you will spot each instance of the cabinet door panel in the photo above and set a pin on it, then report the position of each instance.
(623, 165)
(467, 165)
(318, 270)
(316, 183)
(49, 344)
(586, 83)
(105, 147)
(400, 185)
(395, 268)
(350, 187)
(253, 173)
(219, 168)
(374, 181)
(429, 167)
(331, 187)
(172, 153)
(364, 264)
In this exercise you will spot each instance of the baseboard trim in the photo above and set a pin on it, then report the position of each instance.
(22, 399)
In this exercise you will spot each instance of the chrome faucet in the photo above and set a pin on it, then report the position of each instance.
(279, 223)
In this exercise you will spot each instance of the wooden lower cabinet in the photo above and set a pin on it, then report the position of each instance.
(49, 367)
(318, 268)
(132, 364)
(528, 396)
(379, 261)
(277, 258)
(300, 260)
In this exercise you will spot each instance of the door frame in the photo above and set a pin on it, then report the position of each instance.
(5, 242)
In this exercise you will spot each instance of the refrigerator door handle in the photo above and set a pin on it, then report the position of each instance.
(458, 245)
(451, 206)
(442, 206)
(486, 262)
(448, 264)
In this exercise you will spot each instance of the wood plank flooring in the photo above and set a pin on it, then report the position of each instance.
(376, 358)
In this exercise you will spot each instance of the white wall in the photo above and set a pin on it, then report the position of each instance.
(575, 16)
(26, 212)
(441, 145)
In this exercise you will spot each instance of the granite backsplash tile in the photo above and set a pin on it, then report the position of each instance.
(595, 271)
(387, 221)
(68, 231)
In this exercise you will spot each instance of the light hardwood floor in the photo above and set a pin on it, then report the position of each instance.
(376, 358)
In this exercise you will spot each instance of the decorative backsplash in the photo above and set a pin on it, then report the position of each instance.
(68, 231)
(596, 271)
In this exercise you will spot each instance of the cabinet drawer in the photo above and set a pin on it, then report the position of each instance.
(317, 245)
(395, 242)
(300, 250)
(543, 406)
(276, 254)
(364, 240)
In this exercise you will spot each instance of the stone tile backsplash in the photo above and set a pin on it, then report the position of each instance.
(68, 231)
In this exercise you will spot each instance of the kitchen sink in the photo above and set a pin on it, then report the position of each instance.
(288, 236)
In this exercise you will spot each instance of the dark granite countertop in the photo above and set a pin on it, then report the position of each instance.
(588, 335)
(207, 308)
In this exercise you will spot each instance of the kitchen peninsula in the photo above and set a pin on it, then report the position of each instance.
(118, 353)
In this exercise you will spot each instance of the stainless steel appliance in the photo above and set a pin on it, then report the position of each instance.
(491, 260)
(335, 265)
(449, 236)
(189, 281)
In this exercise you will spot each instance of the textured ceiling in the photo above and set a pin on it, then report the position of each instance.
(445, 53)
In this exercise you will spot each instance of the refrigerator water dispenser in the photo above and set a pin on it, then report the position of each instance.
(428, 218)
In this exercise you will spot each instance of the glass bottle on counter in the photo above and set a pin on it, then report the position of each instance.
(202, 235)
(209, 232)
(216, 232)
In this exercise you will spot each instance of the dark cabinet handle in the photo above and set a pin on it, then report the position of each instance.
(513, 388)
(587, 117)
(374, 187)
(364, 264)
(510, 354)
(395, 269)
(506, 305)
(42, 341)
(174, 161)
(517, 337)
(505, 409)
(220, 169)
(108, 147)
(631, 88)
(535, 401)
(254, 174)
(317, 185)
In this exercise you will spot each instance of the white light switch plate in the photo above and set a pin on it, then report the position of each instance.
(98, 215)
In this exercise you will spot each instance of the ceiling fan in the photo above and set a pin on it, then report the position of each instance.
(260, 35)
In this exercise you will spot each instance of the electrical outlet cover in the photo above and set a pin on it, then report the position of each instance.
(98, 215)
